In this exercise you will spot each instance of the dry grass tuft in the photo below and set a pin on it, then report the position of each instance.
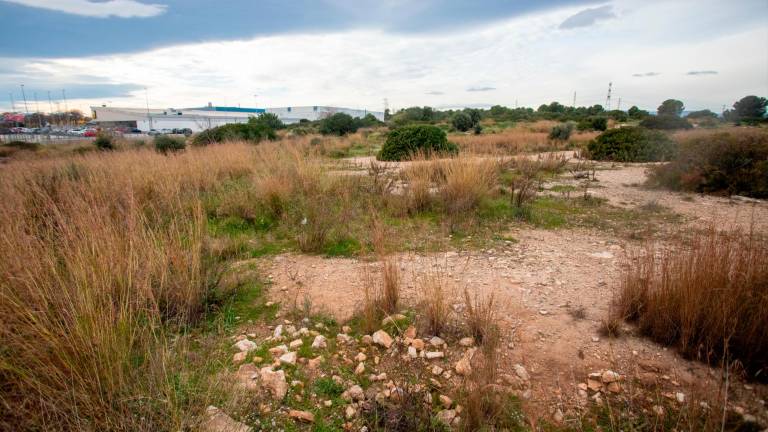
(481, 316)
(434, 302)
(708, 296)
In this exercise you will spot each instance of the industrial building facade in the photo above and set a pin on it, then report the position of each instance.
(198, 119)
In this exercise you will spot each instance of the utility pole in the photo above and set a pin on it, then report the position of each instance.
(608, 99)
(37, 110)
(13, 104)
(24, 95)
(66, 107)
(149, 117)
(574, 100)
(619, 107)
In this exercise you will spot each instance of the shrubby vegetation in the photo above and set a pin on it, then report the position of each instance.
(166, 143)
(104, 142)
(255, 130)
(561, 132)
(409, 141)
(593, 123)
(338, 124)
(631, 144)
(749, 110)
(462, 122)
(665, 122)
(729, 163)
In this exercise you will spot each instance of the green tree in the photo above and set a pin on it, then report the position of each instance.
(269, 119)
(338, 124)
(750, 108)
(462, 121)
(701, 114)
(671, 107)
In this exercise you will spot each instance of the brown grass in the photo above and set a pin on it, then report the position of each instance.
(101, 255)
(481, 316)
(708, 296)
(522, 138)
(434, 302)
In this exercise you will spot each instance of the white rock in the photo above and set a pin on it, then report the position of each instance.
(319, 342)
(354, 393)
(680, 397)
(296, 343)
(360, 357)
(288, 358)
(436, 341)
(218, 421)
(609, 376)
(446, 401)
(412, 353)
(278, 331)
(467, 342)
(435, 355)
(382, 338)
(274, 381)
(521, 372)
(360, 369)
(239, 357)
(245, 345)
(436, 370)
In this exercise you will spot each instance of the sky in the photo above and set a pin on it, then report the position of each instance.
(357, 54)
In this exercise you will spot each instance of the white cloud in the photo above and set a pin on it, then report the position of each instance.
(97, 9)
(526, 59)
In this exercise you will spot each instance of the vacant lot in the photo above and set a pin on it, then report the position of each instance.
(302, 285)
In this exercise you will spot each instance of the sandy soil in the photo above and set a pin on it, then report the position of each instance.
(538, 282)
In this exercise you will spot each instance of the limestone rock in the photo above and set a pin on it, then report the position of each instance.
(245, 345)
(360, 369)
(446, 401)
(274, 381)
(315, 362)
(278, 331)
(436, 341)
(288, 358)
(246, 376)
(238, 358)
(296, 343)
(392, 319)
(467, 342)
(360, 357)
(609, 376)
(446, 416)
(354, 393)
(410, 332)
(435, 355)
(304, 416)
(463, 367)
(418, 344)
(319, 342)
(521, 372)
(218, 421)
(382, 338)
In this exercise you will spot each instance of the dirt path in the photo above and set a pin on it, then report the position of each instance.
(553, 287)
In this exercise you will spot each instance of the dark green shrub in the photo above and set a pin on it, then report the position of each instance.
(338, 124)
(478, 129)
(665, 122)
(368, 121)
(255, 130)
(269, 120)
(731, 163)
(561, 132)
(462, 121)
(104, 142)
(593, 123)
(165, 144)
(404, 142)
(631, 144)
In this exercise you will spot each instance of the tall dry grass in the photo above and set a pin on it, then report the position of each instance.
(522, 138)
(708, 296)
(101, 256)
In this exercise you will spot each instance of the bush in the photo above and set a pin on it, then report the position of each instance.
(338, 124)
(256, 130)
(104, 142)
(665, 122)
(462, 121)
(705, 296)
(269, 120)
(561, 132)
(165, 144)
(631, 144)
(407, 141)
(593, 123)
(732, 163)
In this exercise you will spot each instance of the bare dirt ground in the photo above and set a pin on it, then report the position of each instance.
(540, 282)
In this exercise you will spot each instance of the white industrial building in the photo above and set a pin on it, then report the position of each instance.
(198, 119)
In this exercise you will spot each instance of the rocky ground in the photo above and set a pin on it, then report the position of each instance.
(553, 290)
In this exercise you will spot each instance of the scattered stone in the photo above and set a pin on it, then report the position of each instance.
(288, 358)
(680, 397)
(278, 331)
(218, 421)
(350, 412)
(274, 381)
(346, 329)
(521, 372)
(658, 410)
(366, 340)
(328, 403)
(354, 393)
(436, 341)
(319, 342)
(445, 401)
(239, 357)
(418, 344)
(609, 376)
(594, 385)
(315, 362)
(246, 376)
(245, 345)
(467, 342)
(614, 387)
(304, 416)
(360, 369)
(278, 350)
(595, 339)
(296, 343)
(435, 355)
(437, 370)
(382, 338)
(463, 367)
(342, 338)
(257, 359)
(361, 357)
(602, 255)
(558, 416)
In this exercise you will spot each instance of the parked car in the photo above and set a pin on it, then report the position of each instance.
(90, 133)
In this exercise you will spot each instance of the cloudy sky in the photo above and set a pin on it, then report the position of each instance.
(356, 53)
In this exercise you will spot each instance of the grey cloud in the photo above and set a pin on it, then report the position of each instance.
(702, 72)
(588, 17)
(480, 89)
(646, 74)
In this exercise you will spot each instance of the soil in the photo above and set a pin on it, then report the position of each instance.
(553, 288)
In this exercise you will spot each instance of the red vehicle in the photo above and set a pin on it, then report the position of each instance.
(90, 133)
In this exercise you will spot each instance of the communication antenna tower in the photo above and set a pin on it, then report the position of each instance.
(608, 99)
